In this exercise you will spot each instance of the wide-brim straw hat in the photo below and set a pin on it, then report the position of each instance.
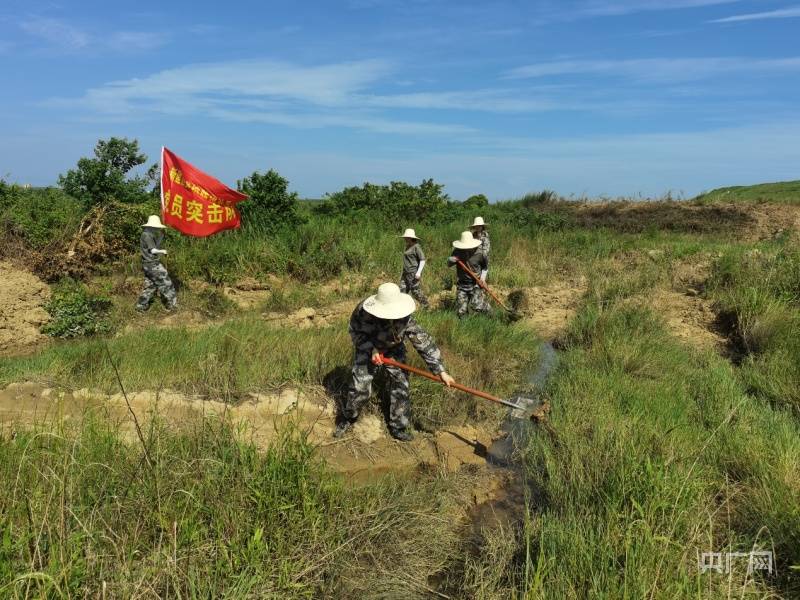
(154, 221)
(467, 241)
(409, 233)
(390, 303)
(478, 222)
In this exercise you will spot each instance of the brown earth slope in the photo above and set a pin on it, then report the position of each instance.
(22, 313)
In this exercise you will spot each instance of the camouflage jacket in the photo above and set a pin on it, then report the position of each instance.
(486, 244)
(151, 239)
(368, 332)
(476, 261)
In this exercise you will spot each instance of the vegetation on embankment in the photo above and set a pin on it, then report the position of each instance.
(782, 192)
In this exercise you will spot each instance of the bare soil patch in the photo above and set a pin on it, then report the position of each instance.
(550, 307)
(690, 318)
(307, 317)
(22, 300)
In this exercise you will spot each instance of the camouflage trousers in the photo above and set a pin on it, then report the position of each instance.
(409, 284)
(361, 387)
(156, 279)
(473, 297)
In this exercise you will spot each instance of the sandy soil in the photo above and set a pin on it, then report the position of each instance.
(549, 308)
(22, 313)
(690, 318)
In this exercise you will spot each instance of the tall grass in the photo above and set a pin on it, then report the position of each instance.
(660, 455)
(760, 291)
(203, 514)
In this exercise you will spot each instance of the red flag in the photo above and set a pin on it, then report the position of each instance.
(195, 203)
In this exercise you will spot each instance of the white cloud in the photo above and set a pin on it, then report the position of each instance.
(258, 91)
(61, 34)
(783, 13)
(656, 69)
(55, 32)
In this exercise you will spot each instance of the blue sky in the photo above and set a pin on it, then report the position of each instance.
(597, 97)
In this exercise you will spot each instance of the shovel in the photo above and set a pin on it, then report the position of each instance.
(393, 363)
(484, 286)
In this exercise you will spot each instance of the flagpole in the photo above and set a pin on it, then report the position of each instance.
(161, 182)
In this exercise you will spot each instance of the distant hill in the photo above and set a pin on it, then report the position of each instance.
(782, 192)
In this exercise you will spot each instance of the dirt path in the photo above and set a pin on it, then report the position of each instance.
(22, 313)
(368, 452)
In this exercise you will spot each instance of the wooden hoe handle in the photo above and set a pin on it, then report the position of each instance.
(458, 386)
(481, 284)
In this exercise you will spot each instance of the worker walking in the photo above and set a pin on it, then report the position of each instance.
(380, 325)
(156, 278)
(413, 263)
(468, 293)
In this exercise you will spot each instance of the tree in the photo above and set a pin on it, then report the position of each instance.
(105, 177)
(476, 201)
(270, 204)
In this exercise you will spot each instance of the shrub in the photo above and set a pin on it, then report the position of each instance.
(76, 312)
(270, 205)
(476, 201)
(37, 215)
(543, 197)
(398, 201)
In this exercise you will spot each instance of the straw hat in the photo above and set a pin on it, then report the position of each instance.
(478, 222)
(409, 233)
(390, 303)
(467, 242)
(154, 221)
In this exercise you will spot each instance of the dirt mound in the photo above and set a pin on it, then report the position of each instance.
(771, 220)
(22, 313)
(249, 293)
(306, 317)
(748, 220)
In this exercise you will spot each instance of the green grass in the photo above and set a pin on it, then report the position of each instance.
(203, 514)
(783, 192)
(659, 455)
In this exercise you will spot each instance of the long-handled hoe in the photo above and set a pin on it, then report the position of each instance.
(524, 412)
(480, 282)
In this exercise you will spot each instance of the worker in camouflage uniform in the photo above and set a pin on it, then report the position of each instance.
(468, 293)
(156, 278)
(413, 263)
(379, 326)
(479, 232)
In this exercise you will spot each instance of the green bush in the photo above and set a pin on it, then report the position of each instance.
(398, 201)
(76, 312)
(476, 201)
(37, 215)
(270, 205)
